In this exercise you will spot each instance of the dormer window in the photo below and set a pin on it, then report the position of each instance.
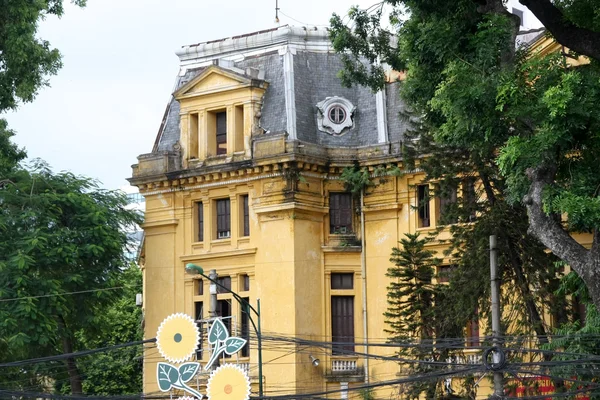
(335, 115)
(221, 132)
(217, 110)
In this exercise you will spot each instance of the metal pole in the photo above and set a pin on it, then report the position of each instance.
(212, 277)
(363, 273)
(495, 286)
(212, 303)
(259, 339)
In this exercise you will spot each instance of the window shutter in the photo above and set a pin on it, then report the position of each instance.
(340, 212)
(246, 216)
(223, 218)
(423, 204)
(200, 222)
(221, 134)
(342, 324)
(245, 331)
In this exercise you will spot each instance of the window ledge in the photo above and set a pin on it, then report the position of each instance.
(197, 245)
(221, 242)
(341, 249)
(343, 240)
(348, 235)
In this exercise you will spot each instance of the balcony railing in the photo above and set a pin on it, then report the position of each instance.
(344, 370)
(468, 359)
(245, 367)
(343, 366)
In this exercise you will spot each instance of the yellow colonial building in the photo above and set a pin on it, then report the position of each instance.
(244, 179)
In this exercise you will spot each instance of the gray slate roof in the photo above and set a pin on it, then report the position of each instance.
(315, 78)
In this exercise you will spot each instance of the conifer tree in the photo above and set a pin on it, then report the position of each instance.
(416, 315)
(411, 292)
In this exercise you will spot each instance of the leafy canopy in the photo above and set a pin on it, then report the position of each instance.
(61, 235)
(26, 59)
(525, 123)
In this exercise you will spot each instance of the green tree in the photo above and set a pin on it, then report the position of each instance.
(60, 234)
(417, 314)
(10, 154)
(411, 291)
(484, 102)
(119, 371)
(25, 59)
(574, 338)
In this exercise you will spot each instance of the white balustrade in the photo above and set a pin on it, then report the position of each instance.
(343, 365)
(245, 367)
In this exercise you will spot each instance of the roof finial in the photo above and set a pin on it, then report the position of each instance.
(277, 11)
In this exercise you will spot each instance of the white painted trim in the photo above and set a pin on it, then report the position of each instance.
(290, 95)
(300, 38)
(380, 104)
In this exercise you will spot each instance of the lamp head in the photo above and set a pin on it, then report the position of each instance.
(315, 361)
(193, 269)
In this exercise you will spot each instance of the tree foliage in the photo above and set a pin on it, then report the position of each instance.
(578, 336)
(61, 262)
(115, 372)
(411, 291)
(417, 312)
(25, 59)
(523, 124)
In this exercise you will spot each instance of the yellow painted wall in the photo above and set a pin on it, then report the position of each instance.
(289, 256)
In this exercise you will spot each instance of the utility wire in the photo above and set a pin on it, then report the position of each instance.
(73, 355)
(67, 293)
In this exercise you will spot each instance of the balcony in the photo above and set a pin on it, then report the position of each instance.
(344, 370)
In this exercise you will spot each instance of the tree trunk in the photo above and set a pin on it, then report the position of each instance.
(583, 41)
(552, 234)
(67, 345)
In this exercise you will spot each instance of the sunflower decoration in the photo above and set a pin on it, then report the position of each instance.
(228, 382)
(177, 337)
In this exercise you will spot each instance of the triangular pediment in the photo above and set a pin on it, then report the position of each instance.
(212, 79)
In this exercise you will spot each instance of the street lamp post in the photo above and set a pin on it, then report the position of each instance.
(195, 269)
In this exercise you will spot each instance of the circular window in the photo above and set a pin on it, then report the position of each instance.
(337, 114)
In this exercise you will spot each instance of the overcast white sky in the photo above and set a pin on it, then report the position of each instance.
(105, 105)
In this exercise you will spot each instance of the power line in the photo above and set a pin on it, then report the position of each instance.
(67, 293)
(74, 355)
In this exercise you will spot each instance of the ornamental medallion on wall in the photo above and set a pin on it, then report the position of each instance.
(335, 115)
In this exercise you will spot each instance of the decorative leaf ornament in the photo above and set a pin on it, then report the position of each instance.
(219, 338)
(170, 377)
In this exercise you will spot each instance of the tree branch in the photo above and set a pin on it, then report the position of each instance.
(580, 40)
(549, 231)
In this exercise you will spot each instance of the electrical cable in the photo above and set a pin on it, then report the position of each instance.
(279, 343)
(67, 293)
(73, 355)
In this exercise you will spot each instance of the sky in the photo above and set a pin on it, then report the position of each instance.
(104, 106)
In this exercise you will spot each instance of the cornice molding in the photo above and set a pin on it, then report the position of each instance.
(218, 254)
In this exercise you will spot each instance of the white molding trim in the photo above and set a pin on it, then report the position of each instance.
(380, 104)
(240, 47)
(290, 95)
